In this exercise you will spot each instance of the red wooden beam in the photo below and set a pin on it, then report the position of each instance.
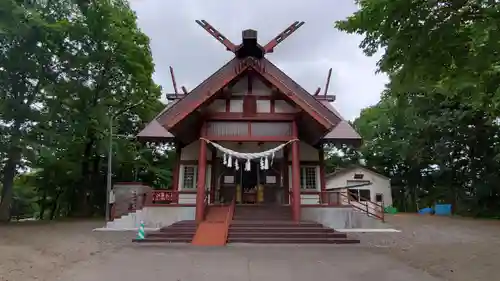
(173, 81)
(238, 116)
(200, 186)
(295, 175)
(247, 138)
(322, 175)
(269, 47)
(328, 81)
(217, 35)
(177, 163)
(184, 90)
(317, 91)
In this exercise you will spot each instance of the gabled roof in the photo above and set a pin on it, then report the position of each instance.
(291, 88)
(154, 130)
(189, 102)
(353, 167)
(343, 132)
(233, 69)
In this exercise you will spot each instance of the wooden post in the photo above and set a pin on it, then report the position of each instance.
(322, 180)
(284, 174)
(213, 175)
(295, 175)
(177, 168)
(200, 186)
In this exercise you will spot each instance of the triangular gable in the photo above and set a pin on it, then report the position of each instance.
(343, 132)
(199, 95)
(230, 71)
(299, 95)
(154, 130)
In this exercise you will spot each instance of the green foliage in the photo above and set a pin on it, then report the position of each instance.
(66, 69)
(435, 130)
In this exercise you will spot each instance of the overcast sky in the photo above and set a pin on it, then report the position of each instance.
(306, 55)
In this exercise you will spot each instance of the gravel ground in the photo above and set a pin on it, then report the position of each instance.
(41, 250)
(457, 249)
(454, 249)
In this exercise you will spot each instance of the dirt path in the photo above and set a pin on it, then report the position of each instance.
(446, 248)
(457, 249)
(40, 251)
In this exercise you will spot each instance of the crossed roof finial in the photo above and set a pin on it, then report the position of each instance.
(268, 48)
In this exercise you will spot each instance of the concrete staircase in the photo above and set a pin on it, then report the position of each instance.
(261, 224)
(129, 221)
(179, 232)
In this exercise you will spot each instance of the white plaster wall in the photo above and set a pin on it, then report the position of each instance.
(306, 153)
(341, 218)
(263, 106)
(191, 151)
(217, 105)
(236, 106)
(165, 216)
(241, 86)
(153, 217)
(309, 199)
(379, 184)
(281, 106)
(187, 198)
(259, 88)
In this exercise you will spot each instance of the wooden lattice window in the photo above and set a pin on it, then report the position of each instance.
(308, 177)
(189, 177)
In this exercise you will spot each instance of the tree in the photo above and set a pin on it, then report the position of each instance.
(435, 129)
(24, 70)
(66, 68)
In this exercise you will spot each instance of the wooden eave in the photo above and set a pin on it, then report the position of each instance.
(299, 95)
(204, 92)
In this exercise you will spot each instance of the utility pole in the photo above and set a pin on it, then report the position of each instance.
(110, 155)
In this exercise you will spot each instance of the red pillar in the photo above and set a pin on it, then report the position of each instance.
(177, 168)
(213, 179)
(284, 174)
(322, 182)
(295, 175)
(200, 186)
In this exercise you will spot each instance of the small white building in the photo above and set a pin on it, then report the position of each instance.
(363, 182)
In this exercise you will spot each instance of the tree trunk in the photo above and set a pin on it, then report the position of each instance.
(43, 204)
(83, 204)
(9, 172)
(55, 204)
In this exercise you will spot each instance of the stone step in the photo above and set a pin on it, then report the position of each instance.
(281, 240)
(274, 223)
(272, 235)
(178, 228)
(271, 229)
(184, 222)
(170, 234)
(164, 240)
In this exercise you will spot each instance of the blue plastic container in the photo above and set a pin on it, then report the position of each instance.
(443, 209)
(425, 211)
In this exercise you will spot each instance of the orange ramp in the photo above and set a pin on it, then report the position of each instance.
(213, 231)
